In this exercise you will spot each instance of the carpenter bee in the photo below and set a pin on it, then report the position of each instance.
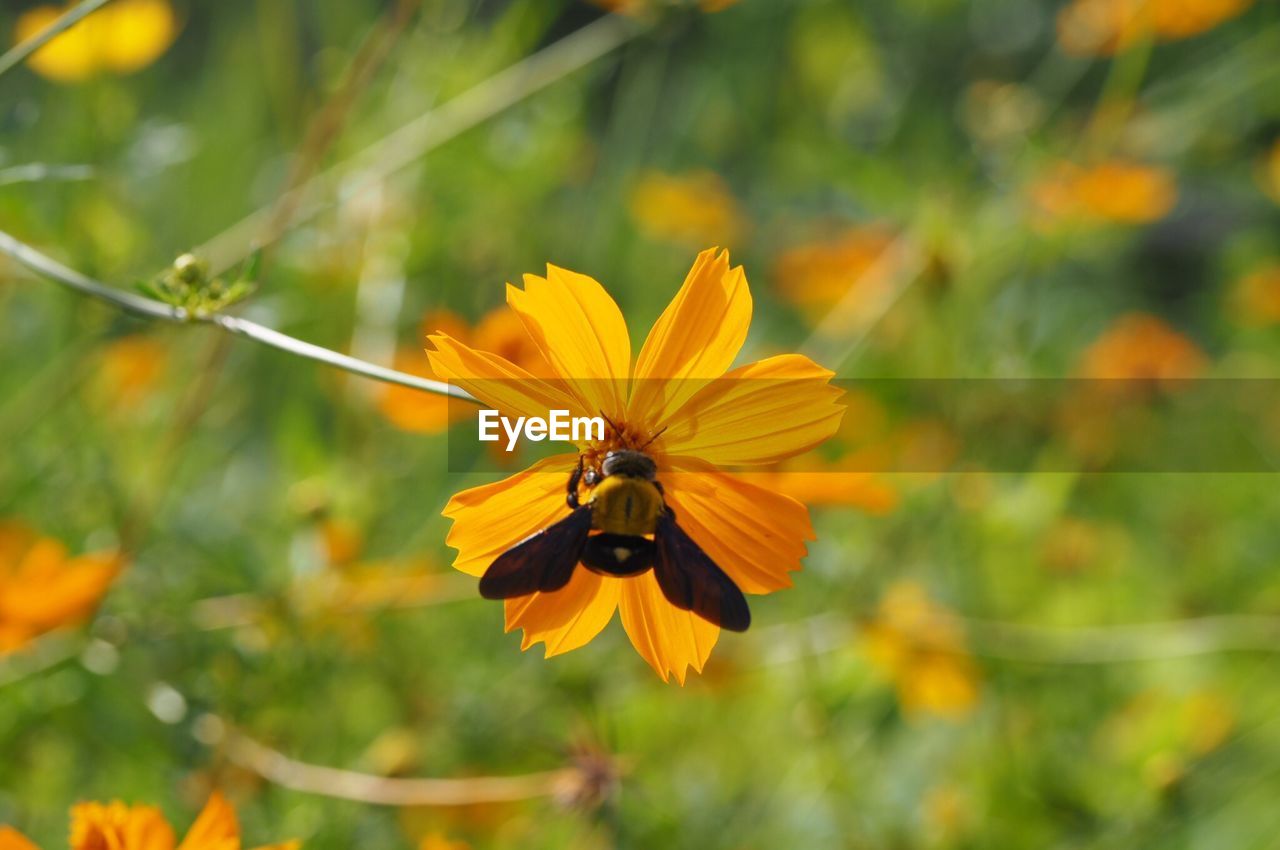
(623, 529)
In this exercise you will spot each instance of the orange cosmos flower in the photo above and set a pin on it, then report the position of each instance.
(122, 37)
(116, 826)
(1107, 27)
(695, 208)
(919, 646)
(753, 415)
(1119, 191)
(41, 589)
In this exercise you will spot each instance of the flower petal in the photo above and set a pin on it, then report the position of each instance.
(757, 414)
(215, 828)
(490, 519)
(11, 839)
(568, 618)
(755, 535)
(696, 337)
(581, 333)
(670, 639)
(498, 382)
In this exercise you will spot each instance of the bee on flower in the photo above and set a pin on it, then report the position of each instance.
(646, 521)
(117, 826)
(42, 588)
(122, 37)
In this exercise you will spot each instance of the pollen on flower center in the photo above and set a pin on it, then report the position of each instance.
(619, 435)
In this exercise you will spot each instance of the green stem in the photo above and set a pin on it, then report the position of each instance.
(51, 269)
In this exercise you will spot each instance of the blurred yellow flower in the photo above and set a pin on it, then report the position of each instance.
(1160, 732)
(918, 645)
(42, 589)
(122, 37)
(1106, 27)
(1256, 299)
(692, 423)
(694, 209)
(1139, 347)
(817, 275)
(1117, 190)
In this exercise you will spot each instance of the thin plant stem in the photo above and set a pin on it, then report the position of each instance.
(279, 769)
(39, 172)
(410, 142)
(51, 269)
(19, 53)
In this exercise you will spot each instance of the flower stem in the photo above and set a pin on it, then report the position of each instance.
(51, 269)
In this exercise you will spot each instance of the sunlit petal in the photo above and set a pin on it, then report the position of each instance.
(755, 535)
(670, 639)
(490, 519)
(695, 339)
(568, 618)
(757, 414)
(581, 333)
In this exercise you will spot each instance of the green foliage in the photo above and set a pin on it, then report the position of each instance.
(226, 467)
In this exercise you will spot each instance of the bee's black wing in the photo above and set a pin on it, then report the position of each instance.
(544, 561)
(690, 580)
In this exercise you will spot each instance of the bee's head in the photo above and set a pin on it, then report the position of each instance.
(629, 463)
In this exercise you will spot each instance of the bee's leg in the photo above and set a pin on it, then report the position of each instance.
(571, 497)
(663, 494)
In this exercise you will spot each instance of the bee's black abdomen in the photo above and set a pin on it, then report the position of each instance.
(618, 554)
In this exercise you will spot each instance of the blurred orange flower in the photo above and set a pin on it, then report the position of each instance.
(758, 414)
(116, 826)
(694, 209)
(122, 37)
(920, 647)
(1119, 191)
(129, 369)
(1257, 297)
(817, 275)
(499, 332)
(1106, 27)
(41, 589)
(1138, 346)
(438, 841)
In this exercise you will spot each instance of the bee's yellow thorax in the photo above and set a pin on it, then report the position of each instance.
(622, 505)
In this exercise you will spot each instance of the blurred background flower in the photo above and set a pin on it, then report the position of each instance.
(122, 38)
(43, 588)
